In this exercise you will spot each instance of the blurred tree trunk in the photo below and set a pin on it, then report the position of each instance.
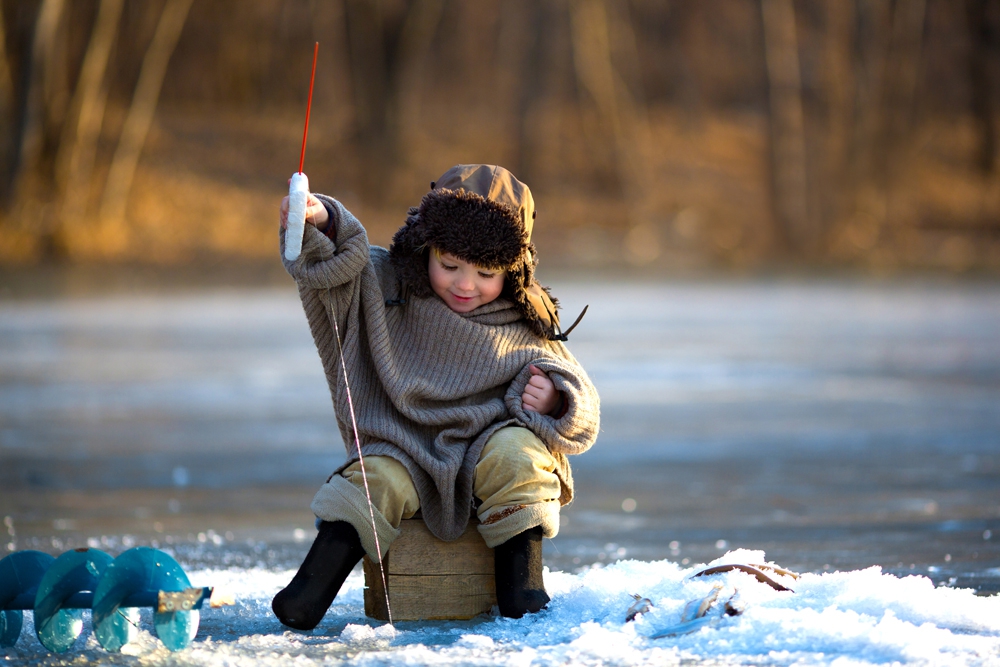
(901, 85)
(415, 41)
(388, 54)
(982, 45)
(369, 78)
(907, 46)
(983, 62)
(138, 121)
(839, 86)
(7, 119)
(592, 59)
(868, 146)
(519, 72)
(29, 184)
(42, 80)
(788, 146)
(78, 146)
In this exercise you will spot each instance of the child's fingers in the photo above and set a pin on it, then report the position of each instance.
(316, 214)
(540, 381)
(312, 203)
(538, 391)
(534, 392)
(283, 213)
(537, 404)
(312, 212)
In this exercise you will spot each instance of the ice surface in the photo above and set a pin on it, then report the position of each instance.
(862, 617)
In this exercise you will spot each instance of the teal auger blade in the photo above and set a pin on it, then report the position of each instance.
(58, 622)
(20, 573)
(136, 577)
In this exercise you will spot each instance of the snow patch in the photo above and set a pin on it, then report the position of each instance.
(859, 618)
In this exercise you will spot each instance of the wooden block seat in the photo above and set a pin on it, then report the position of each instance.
(430, 579)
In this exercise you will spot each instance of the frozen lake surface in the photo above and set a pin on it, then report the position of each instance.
(836, 426)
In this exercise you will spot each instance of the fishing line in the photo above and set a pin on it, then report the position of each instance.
(123, 615)
(361, 460)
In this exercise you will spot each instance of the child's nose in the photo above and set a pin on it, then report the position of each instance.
(465, 282)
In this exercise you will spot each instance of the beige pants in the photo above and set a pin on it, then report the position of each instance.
(514, 478)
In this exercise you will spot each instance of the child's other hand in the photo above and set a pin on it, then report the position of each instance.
(540, 395)
(316, 213)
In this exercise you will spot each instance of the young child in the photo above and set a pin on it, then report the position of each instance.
(464, 395)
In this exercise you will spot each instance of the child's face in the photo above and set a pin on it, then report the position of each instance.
(461, 285)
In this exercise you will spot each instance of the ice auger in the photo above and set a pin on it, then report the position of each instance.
(59, 589)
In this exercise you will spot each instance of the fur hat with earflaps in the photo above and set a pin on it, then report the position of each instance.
(483, 215)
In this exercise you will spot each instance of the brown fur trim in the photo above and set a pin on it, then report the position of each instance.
(475, 229)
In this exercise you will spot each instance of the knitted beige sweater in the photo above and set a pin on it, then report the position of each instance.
(429, 385)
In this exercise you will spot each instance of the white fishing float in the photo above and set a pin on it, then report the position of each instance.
(298, 187)
(298, 195)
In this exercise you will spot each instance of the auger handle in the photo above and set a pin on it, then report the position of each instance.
(161, 601)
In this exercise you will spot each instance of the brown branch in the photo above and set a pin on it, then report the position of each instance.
(140, 114)
(788, 146)
(518, 74)
(415, 41)
(78, 146)
(592, 60)
(7, 131)
(42, 56)
(839, 86)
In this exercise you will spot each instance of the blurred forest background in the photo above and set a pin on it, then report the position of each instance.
(665, 134)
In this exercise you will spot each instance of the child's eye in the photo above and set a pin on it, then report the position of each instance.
(486, 274)
(448, 267)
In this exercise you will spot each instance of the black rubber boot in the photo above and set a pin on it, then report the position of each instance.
(336, 550)
(517, 564)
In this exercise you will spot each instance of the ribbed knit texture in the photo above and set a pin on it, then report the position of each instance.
(430, 385)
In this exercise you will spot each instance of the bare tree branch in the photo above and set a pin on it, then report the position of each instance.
(413, 53)
(7, 131)
(788, 144)
(591, 38)
(78, 147)
(140, 115)
(839, 86)
(42, 55)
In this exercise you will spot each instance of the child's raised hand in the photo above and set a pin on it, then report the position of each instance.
(316, 213)
(540, 394)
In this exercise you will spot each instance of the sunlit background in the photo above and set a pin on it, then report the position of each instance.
(661, 134)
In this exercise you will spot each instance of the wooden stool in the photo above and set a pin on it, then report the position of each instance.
(430, 579)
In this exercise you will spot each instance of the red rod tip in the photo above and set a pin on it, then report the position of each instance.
(305, 132)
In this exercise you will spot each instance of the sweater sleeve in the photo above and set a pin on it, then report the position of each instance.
(575, 431)
(325, 262)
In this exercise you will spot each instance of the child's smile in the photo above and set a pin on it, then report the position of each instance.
(461, 285)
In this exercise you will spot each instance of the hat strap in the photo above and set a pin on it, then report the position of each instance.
(564, 335)
(400, 300)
